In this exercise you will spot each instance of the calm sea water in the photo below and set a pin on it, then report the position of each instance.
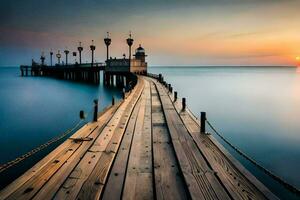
(257, 109)
(36, 109)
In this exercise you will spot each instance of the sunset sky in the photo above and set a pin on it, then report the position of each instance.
(203, 32)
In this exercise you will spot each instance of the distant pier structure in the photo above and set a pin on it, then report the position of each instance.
(119, 70)
(116, 71)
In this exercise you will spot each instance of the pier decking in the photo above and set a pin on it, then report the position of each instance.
(145, 147)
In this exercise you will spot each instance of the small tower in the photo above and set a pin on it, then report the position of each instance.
(58, 56)
(140, 53)
(66, 52)
(130, 43)
(51, 55)
(80, 49)
(92, 47)
(43, 59)
(107, 42)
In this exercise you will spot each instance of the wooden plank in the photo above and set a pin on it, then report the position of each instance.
(52, 186)
(93, 185)
(81, 173)
(196, 172)
(169, 183)
(37, 167)
(33, 185)
(138, 182)
(114, 185)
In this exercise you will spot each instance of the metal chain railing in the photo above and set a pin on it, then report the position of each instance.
(266, 171)
(9, 164)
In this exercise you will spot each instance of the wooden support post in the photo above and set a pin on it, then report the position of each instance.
(81, 114)
(202, 124)
(183, 103)
(111, 80)
(175, 96)
(95, 110)
(113, 100)
(104, 78)
(171, 89)
(123, 93)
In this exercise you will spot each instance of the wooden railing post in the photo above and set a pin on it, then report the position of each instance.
(202, 124)
(95, 110)
(113, 100)
(123, 93)
(183, 103)
(81, 114)
(169, 87)
(159, 77)
(175, 96)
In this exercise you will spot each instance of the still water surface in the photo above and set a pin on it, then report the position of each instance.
(257, 109)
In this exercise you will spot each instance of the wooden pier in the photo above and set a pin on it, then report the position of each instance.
(145, 147)
(82, 73)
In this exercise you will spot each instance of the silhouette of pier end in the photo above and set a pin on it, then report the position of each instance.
(147, 146)
(116, 71)
(76, 72)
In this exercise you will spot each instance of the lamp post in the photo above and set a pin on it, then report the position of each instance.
(80, 49)
(43, 59)
(130, 43)
(51, 55)
(67, 52)
(92, 47)
(58, 56)
(107, 42)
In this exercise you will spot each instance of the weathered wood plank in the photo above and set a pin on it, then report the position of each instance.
(93, 186)
(193, 165)
(114, 185)
(138, 182)
(37, 167)
(51, 187)
(169, 183)
(33, 185)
